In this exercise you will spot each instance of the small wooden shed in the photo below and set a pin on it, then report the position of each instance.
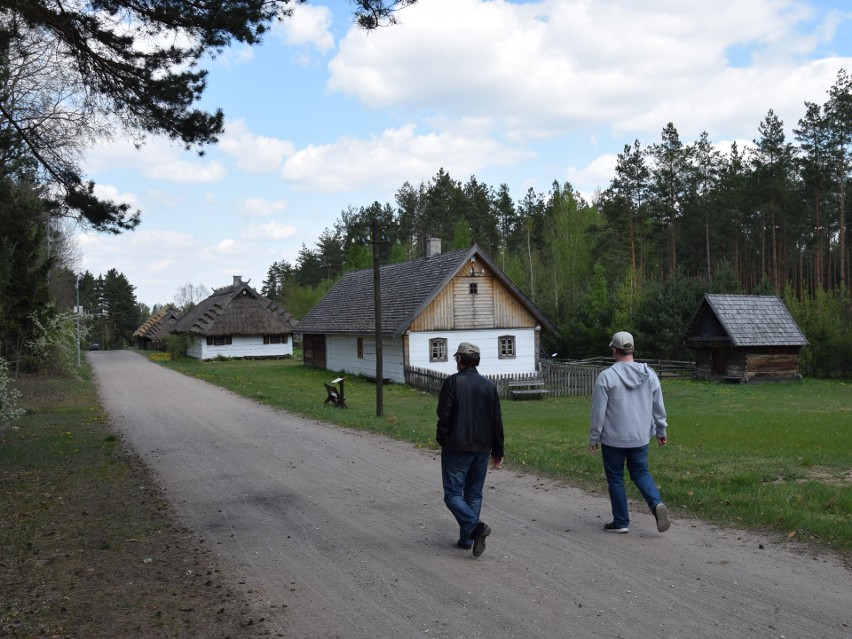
(745, 338)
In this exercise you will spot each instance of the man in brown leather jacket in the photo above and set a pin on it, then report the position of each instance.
(470, 429)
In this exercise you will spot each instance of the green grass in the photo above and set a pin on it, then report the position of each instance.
(88, 545)
(771, 457)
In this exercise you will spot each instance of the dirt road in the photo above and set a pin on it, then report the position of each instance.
(342, 534)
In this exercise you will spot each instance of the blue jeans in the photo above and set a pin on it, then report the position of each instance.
(463, 475)
(637, 464)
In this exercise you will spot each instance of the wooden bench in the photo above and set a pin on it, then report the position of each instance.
(527, 389)
(333, 395)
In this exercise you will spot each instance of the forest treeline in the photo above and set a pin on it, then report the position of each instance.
(678, 219)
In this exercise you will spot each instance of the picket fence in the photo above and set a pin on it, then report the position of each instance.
(561, 378)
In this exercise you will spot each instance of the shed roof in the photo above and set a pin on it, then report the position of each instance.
(406, 289)
(749, 320)
(236, 310)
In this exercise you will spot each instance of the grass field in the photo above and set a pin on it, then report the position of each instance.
(772, 457)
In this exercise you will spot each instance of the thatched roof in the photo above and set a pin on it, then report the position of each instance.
(406, 290)
(159, 324)
(236, 310)
(746, 320)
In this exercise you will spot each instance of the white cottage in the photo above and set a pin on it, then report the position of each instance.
(429, 306)
(236, 321)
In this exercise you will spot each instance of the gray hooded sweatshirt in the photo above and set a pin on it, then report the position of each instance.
(627, 406)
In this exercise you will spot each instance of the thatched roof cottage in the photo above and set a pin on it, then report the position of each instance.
(154, 333)
(237, 321)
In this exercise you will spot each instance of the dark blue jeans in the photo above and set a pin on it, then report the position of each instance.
(637, 465)
(463, 475)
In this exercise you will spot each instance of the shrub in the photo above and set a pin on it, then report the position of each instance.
(176, 346)
(9, 397)
(53, 346)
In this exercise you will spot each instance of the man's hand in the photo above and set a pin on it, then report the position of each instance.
(662, 441)
(593, 449)
(498, 462)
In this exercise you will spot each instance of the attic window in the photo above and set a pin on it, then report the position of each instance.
(473, 288)
(438, 349)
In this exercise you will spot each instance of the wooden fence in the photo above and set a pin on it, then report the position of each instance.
(561, 378)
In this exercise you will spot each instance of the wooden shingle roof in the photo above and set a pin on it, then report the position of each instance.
(406, 290)
(747, 320)
(236, 310)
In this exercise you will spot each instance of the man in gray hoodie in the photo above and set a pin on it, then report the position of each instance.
(627, 410)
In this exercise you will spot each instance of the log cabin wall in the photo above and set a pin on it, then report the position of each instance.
(772, 363)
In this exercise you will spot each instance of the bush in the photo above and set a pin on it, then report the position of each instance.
(176, 346)
(9, 397)
(53, 346)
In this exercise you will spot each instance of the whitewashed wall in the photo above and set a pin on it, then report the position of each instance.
(240, 346)
(341, 353)
(488, 342)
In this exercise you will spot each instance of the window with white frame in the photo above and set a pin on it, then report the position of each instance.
(506, 346)
(438, 349)
(219, 340)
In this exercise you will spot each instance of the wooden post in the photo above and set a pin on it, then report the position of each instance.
(377, 299)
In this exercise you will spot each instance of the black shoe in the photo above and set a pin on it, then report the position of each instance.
(661, 514)
(463, 546)
(480, 532)
(613, 528)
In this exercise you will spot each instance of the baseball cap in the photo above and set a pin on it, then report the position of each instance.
(466, 348)
(623, 341)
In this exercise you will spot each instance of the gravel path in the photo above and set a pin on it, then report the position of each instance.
(344, 534)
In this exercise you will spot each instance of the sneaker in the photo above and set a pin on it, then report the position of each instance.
(661, 514)
(613, 528)
(463, 546)
(480, 532)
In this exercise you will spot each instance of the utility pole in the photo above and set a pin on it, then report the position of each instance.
(77, 313)
(377, 299)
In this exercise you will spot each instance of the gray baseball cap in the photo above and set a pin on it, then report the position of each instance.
(623, 341)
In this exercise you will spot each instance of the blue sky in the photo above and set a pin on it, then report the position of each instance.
(322, 116)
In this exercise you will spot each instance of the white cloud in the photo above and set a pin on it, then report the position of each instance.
(559, 66)
(387, 160)
(309, 25)
(254, 153)
(596, 174)
(158, 158)
(235, 56)
(108, 192)
(269, 232)
(178, 170)
(259, 207)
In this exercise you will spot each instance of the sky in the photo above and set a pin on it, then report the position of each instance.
(323, 116)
